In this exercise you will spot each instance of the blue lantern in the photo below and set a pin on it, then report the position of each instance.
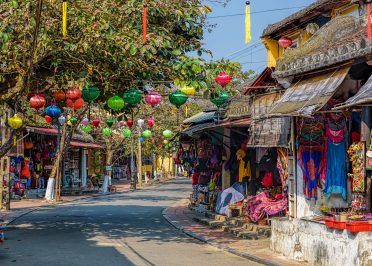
(53, 111)
(141, 139)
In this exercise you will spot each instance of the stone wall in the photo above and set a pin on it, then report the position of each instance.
(318, 245)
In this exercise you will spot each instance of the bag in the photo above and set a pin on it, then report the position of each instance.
(268, 179)
(369, 156)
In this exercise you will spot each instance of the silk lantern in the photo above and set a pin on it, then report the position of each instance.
(90, 93)
(115, 103)
(130, 123)
(48, 119)
(190, 91)
(219, 97)
(87, 129)
(77, 104)
(127, 133)
(37, 102)
(140, 122)
(109, 122)
(85, 121)
(151, 122)
(141, 139)
(147, 134)
(15, 122)
(53, 111)
(167, 134)
(178, 98)
(61, 120)
(153, 98)
(59, 95)
(106, 132)
(73, 120)
(96, 122)
(73, 93)
(223, 79)
(285, 42)
(132, 97)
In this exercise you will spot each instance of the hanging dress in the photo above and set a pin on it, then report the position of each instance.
(310, 161)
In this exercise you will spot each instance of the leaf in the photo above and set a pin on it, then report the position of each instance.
(177, 52)
(15, 3)
(133, 50)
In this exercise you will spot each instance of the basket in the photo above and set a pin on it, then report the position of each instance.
(329, 222)
(357, 227)
(339, 225)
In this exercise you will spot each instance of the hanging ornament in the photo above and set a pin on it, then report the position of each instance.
(48, 119)
(219, 97)
(151, 122)
(96, 122)
(73, 93)
(165, 142)
(61, 120)
(106, 132)
(153, 98)
(64, 19)
(115, 103)
(15, 122)
(132, 97)
(121, 124)
(285, 42)
(144, 22)
(87, 129)
(127, 133)
(223, 79)
(140, 122)
(85, 121)
(32, 94)
(141, 139)
(90, 93)
(147, 134)
(59, 95)
(109, 122)
(37, 102)
(53, 111)
(167, 134)
(77, 104)
(73, 120)
(130, 123)
(178, 98)
(152, 141)
(248, 36)
(190, 91)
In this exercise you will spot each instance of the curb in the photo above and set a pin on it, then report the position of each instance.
(216, 244)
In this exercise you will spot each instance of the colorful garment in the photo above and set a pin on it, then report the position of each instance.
(244, 168)
(261, 205)
(336, 169)
(310, 161)
(282, 165)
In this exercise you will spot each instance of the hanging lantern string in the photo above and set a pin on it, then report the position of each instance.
(144, 21)
(64, 18)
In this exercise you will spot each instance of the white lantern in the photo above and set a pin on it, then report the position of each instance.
(61, 120)
(140, 122)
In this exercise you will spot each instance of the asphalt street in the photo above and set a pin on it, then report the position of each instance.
(120, 229)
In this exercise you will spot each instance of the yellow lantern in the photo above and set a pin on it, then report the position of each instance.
(165, 142)
(15, 122)
(190, 91)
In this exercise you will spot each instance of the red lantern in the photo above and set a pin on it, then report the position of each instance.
(130, 123)
(37, 102)
(285, 42)
(153, 141)
(96, 122)
(151, 122)
(59, 95)
(75, 104)
(223, 79)
(32, 94)
(48, 119)
(153, 98)
(73, 93)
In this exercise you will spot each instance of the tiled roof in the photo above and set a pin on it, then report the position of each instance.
(200, 118)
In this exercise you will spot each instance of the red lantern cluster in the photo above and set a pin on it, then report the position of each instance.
(37, 102)
(73, 93)
(77, 104)
(59, 95)
(285, 42)
(223, 79)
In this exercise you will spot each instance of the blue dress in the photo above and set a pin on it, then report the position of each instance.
(336, 179)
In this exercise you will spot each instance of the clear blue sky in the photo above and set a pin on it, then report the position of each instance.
(229, 34)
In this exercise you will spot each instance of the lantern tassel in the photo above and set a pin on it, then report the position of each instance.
(64, 19)
(247, 22)
(369, 19)
(144, 22)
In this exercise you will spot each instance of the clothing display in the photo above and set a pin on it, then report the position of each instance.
(357, 158)
(244, 167)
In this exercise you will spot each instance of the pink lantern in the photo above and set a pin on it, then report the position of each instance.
(151, 122)
(121, 124)
(153, 98)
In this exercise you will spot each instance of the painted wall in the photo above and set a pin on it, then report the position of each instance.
(318, 245)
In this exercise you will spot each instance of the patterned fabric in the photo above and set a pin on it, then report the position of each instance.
(260, 205)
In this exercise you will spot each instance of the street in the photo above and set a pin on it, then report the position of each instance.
(120, 229)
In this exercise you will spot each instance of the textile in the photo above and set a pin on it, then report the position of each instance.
(244, 168)
(282, 165)
(231, 195)
(336, 169)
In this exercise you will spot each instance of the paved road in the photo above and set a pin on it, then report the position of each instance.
(124, 229)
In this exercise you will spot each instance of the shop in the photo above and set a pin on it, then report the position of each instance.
(31, 166)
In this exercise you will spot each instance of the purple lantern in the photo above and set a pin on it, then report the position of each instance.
(85, 121)
(153, 98)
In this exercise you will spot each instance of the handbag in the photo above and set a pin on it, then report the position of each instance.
(369, 156)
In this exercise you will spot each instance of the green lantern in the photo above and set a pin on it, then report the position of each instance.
(133, 97)
(90, 93)
(127, 133)
(87, 129)
(167, 134)
(115, 103)
(146, 134)
(178, 98)
(107, 132)
(109, 122)
(219, 97)
(73, 120)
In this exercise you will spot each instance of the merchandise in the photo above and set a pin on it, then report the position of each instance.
(356, 156)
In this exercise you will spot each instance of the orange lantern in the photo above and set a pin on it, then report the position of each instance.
(73, 93)
(37, 102)
(79, 103)
(59, 95)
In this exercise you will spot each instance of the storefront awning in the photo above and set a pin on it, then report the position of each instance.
(363, 96)
(197, 128)
(308, 96)
(268, 132)
(86, 145)
(43, 131)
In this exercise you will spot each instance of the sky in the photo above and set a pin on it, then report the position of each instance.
(228, 36)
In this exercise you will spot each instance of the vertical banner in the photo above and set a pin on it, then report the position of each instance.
(247, 22)
(144, 22)
(64, 18)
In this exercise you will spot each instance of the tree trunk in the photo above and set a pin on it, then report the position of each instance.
(7, 145)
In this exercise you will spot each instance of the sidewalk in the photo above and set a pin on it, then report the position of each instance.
(18, 208)
(181, 217)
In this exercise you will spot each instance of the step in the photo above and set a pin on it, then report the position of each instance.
(248, 235)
